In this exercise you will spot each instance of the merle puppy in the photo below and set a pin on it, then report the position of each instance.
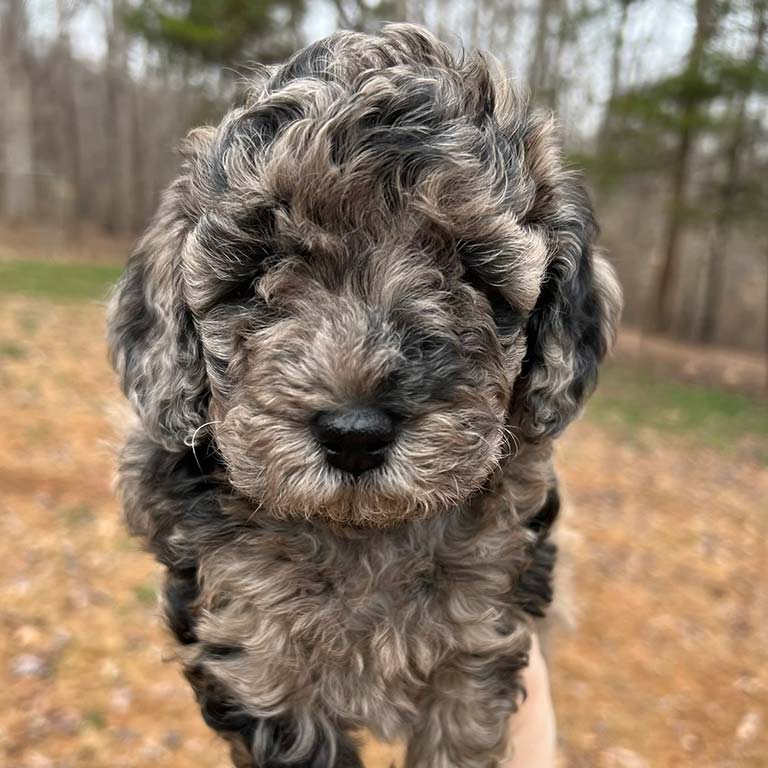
(362, 314)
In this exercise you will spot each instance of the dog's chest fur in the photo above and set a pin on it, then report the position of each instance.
(294, 616)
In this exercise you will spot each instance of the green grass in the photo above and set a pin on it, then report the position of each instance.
(12, 350)
(95, 718)
(79, 515)
(146, 594)
(631, 399)
(62, 282)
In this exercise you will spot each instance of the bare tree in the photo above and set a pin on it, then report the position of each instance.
(362, 15)
(553, 31)
(617, 52)
(728, 199)
(18, 198)
(537, 68)
(681, 164)
(68, 142)
(92, 142)
(116, 125)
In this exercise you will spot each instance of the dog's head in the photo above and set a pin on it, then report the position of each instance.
(365, 280)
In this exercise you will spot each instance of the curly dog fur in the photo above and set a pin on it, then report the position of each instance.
(381, 222)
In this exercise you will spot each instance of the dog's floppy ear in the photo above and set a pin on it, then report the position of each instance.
(571, 327)
(153, 343)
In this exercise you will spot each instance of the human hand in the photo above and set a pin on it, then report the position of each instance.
(533, 729)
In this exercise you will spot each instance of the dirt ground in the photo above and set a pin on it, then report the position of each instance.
(666, 666)
(737, 370)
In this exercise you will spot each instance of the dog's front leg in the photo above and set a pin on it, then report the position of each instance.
(273, 742)
(464, 720)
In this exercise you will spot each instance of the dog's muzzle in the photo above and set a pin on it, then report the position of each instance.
(355, 439)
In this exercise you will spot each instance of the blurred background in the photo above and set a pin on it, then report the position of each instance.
(664, 103)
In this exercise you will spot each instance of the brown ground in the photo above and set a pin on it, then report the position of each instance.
(736, 370)
(40, 243)
(667, 665)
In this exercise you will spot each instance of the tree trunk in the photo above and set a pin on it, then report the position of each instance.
(662, 307)
(676, 210)
(476, 25)
(727, 204)
(765, 341)
(68, 148)
(617, 50)
(117, 128)
(443, 8)
(503, 25)
(139, 142)
(714, 278)
(17, 163)
(537, 67)
(555, 70)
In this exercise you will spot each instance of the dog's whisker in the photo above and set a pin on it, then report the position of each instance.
(192, 441)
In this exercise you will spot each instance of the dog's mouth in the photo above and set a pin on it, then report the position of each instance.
(359, 466)
(382, 488)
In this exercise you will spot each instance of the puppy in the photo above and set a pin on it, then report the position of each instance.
(364, 311)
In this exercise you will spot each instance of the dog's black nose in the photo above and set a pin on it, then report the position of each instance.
(355, 439)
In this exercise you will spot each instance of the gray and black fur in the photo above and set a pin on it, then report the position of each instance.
(384, 225)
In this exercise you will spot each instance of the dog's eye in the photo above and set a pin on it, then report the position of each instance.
(239, 292)
(507, 317)
(244, 288)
